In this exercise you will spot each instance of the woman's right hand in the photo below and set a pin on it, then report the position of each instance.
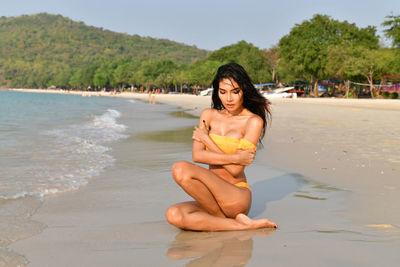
(199, 134)
(245, 157)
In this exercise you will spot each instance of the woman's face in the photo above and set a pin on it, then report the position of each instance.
(231, 95)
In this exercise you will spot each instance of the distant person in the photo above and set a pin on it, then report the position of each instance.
(225, 139)
(153, 96)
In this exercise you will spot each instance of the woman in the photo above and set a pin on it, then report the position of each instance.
(225, 139)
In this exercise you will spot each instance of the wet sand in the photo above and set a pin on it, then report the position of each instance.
(328, 175)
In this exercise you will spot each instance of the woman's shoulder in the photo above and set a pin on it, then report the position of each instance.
(209, 112)
(253, 129)
(252, 116)
(254, 120)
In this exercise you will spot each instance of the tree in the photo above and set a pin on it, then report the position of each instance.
(372, 64)
(272, 58)
(103, 74)
(340, 64)
(247, 55)
(100, 79)
(202, 72)
(88, 74)
(305, 48)
(392, 31)
(124, 74)
(348, 62)
(151, 69)
(63, 77)
(76, 79)
(163, 80)
(181, 77)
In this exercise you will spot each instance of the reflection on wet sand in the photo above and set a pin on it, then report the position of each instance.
(183, 114)
(182, 135)
(232, 248)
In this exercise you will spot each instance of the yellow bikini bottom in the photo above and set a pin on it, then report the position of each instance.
(243, 184)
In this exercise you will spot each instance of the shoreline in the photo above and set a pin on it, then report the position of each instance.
(349, 113)
(312, 116)
(201, 102)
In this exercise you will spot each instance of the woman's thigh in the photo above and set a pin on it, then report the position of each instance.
(231, 199)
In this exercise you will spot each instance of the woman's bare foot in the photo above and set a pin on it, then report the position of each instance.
(254, 224)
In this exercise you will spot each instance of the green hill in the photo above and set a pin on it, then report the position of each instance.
(47, 44)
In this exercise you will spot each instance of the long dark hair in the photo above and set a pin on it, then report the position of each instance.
(252, 99)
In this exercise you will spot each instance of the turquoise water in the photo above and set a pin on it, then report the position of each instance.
(54, 143)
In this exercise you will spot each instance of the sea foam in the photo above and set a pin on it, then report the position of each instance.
(72, 155)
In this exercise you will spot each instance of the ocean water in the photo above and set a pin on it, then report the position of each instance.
(50, 144)
(53, 143)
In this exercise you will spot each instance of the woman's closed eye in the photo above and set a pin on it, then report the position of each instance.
(234, 90)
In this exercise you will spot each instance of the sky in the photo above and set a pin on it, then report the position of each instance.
(207, 24)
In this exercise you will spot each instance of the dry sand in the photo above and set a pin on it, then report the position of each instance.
(349, 145)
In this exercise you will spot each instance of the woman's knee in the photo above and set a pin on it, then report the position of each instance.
(174, 216)
(180, 171)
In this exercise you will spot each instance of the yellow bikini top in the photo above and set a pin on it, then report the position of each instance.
(229, 145)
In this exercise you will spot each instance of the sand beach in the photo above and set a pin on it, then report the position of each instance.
(328, 175)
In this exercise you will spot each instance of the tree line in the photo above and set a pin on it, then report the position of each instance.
(315, 50)
(323, 48)
(35, 49)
